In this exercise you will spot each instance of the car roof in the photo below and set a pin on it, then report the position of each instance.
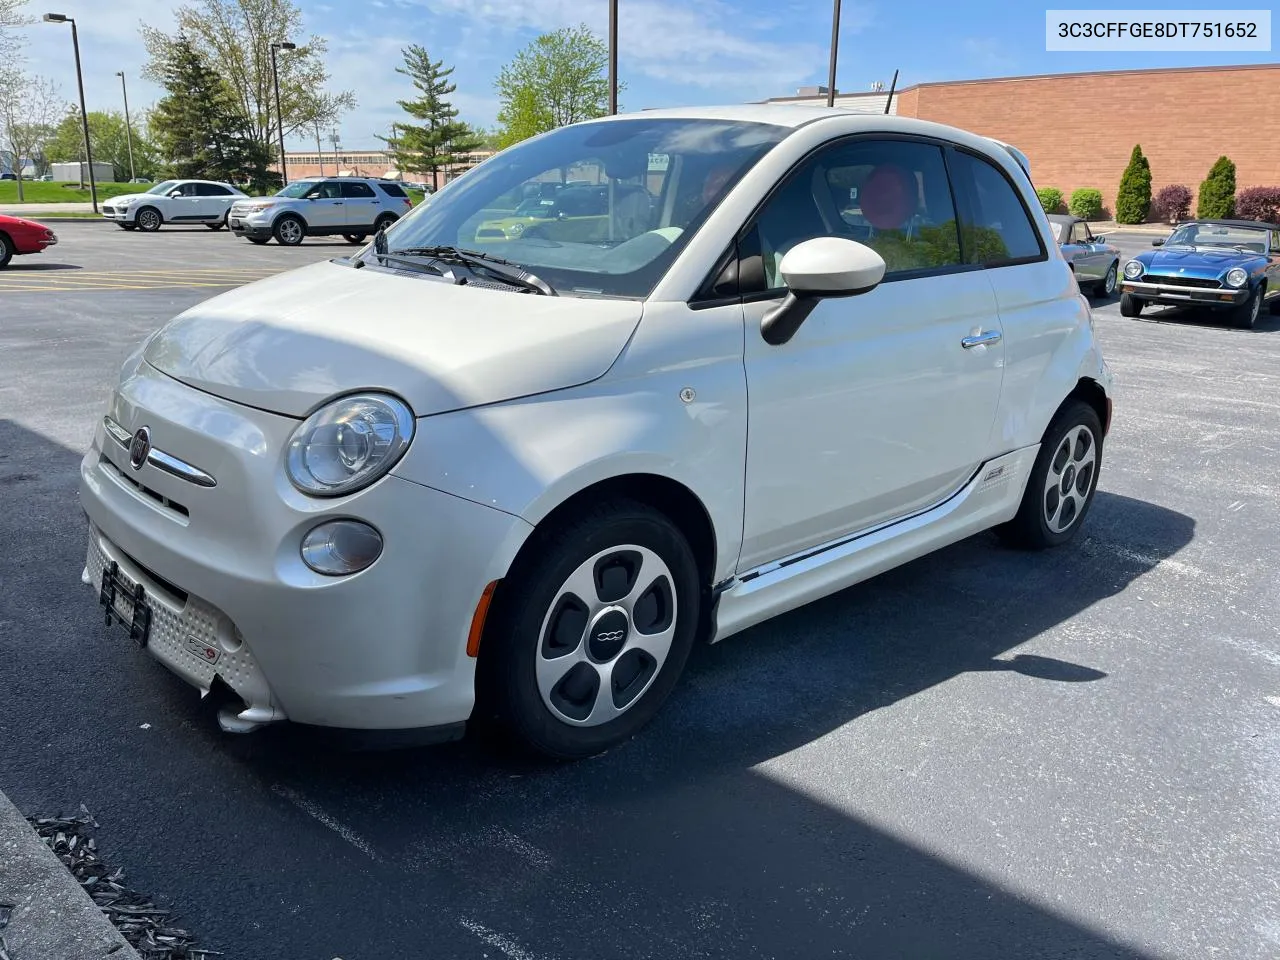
(1064, 218)
(1256, 224)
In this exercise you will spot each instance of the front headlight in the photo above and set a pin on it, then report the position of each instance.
(1132, 270)
(126, 201)
(348, 444)
(1236, 277)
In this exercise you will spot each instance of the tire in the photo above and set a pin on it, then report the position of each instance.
(258, 240)
(219, 225)
(1130, 306)
(557, 709)
(1070, 456)
(127, 226)
(384, 221)
(1245, 316)
(289, 230)
(1106, 287)
(354, 237)
(1275, 306)
(148, 219)
(7, 250)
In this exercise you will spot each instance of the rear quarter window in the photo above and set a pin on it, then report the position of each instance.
(393, 190)
(997, 227)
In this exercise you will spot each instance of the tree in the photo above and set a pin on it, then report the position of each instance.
(1133, 200)
(29, 110)
(1218, 192)
(199, 128)
(441, 140)
(110, 143)
(235, 36)
(10, 42)
(560, 78)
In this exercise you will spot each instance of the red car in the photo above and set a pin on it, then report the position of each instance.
(22, 236)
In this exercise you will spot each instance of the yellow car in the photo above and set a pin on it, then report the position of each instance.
(574, 215)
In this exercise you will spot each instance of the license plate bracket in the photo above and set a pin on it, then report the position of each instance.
(118, 591)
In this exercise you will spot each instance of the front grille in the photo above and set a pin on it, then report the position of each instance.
(109, 210)
(146, 491)
(1182, 281)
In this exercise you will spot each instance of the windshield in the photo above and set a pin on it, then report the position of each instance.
(1219, 235)
(297, 189)
(596, 209)
(163, 187)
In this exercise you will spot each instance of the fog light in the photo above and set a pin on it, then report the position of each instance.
(339, 547)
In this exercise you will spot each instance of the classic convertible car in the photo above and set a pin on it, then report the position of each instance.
(1229, 265)
(1094, 261)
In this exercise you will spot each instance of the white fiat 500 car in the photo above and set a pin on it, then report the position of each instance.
(174, 201)
(520, 475)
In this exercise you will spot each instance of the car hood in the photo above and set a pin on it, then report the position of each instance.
(133, 196)
(289, 343)
(1192, 262)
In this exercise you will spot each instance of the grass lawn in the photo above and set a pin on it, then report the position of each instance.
(37, 192)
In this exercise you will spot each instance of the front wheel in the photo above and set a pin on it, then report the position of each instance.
(1107, 285)
(353, 237)
(1245, 316)
(1130, 306)
(258, 240)
(7, 250)
(591, 630)
(127, 226)
(289, 231)
(1062, 482)
(148, 219)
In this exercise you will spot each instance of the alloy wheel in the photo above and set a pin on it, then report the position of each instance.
(606, 635)
(149, 220)
(290, 231)
(1069, 481)
(1109, 284)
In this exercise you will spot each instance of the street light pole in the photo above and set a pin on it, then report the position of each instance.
(835, 45)
(275, 79)
(128, 129)
(613, 57)
(84, 113)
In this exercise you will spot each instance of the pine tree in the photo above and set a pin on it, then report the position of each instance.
(1218, 192)
(1133, 200)
(200, 130)
(441, 140)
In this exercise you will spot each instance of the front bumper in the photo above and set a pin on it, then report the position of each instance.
(117, 214)
(257, 226)
(1155, 292)
(384, 649)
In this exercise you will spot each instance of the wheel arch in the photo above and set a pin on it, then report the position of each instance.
(289, 213)
(675, 500)
(1091, 392)
(135, 210)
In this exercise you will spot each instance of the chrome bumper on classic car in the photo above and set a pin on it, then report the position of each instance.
(1157, 292)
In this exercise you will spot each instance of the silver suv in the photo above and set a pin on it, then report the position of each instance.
(352, 207)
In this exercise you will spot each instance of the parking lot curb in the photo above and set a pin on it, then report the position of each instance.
(51, 917)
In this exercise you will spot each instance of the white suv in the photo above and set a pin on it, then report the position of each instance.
(352, 207)
(174, 201)
(523, 473)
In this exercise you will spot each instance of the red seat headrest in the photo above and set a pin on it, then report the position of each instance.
(889, 195)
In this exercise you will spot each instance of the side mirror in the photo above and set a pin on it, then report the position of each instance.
(816, 270)
(176, 193)
(1158, 243)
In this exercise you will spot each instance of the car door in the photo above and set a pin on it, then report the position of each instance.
(1093, 256)
(326, 208)
(184, 203)
(881, 405)
(215, 200)
(361, 206)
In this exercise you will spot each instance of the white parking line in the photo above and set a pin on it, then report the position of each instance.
(498, 941)
(312, 809)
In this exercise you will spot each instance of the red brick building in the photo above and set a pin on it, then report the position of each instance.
(1078, 129)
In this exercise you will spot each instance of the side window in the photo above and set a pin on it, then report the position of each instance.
(327, 190)
(355, 190)
(997, 228)
(1079, 233)
(892, 195)
(189, 190)
(212, 190)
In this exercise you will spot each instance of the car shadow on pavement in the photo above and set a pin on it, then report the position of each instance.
(18, 266)
(1192, 317)
(689, 841)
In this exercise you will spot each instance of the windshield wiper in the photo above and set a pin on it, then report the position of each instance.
(484, 263)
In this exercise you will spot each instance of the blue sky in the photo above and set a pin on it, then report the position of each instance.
(670, 51)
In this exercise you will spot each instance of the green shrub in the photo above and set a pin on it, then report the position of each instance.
(1218, 192)
(1050, 199)
(1133, 200)
(1086, 203)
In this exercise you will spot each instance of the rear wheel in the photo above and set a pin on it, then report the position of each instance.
(591, 630)
(353, 237)
(148, 219)
(218, 225)
(7, 250)
(1245, 316)
(258, 240)
(289, 231)
(384, 221)
(1130, 306)
(1062, 482)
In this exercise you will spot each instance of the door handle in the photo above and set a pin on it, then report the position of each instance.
(978, 339)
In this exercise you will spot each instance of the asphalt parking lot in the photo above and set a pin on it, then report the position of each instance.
(984, 754)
